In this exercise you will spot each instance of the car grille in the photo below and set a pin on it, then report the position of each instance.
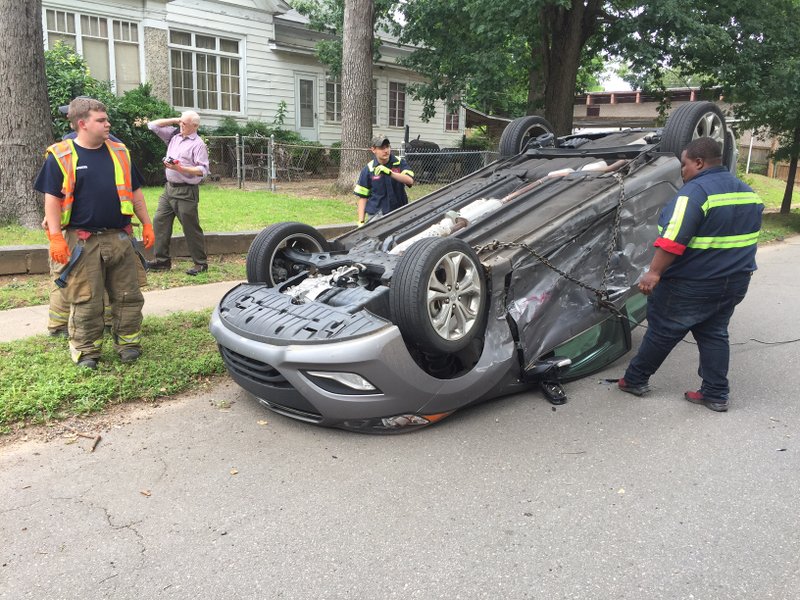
(252, 369)
(267, 384)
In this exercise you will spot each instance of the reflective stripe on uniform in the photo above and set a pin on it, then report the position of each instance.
(133, 338)
(360, 190)
(76, 354)
(676, 220)
(721, 242)
(718, 200)
(58, 318)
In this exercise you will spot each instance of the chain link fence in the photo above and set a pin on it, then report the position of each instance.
(259, 159)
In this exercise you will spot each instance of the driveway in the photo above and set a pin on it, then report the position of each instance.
(606, 497)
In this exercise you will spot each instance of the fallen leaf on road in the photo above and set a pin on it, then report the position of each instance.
(262, 422)
(234, 471)
(145, 493)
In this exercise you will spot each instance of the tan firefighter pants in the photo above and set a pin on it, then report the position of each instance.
(108, 264)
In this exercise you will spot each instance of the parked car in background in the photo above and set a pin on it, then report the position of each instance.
(522, 274)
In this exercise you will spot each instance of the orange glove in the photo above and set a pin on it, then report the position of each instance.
(59, 251)
(148, 237)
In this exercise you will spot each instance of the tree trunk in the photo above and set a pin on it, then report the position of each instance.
(786, 205)
(537, 77)
(569, 28)
(357, 39)
(25, 127)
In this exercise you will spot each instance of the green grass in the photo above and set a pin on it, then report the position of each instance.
(226, 209)
(39, 382)
(17, 291)
(230, 209)
(770, 190)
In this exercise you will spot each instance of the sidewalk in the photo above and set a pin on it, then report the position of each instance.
(32, 320)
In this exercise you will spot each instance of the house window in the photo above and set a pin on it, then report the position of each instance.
(110, 47)
(205, 71)
(333, 100)
(60, 28)
(397, 104)
(452, 122)
(94, 34)
(126, 54)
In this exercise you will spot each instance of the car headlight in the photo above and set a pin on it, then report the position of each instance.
(342, 383)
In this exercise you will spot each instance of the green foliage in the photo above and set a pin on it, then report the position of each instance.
(478, 139)
(327, 16)
(509, 54)
(228, 126)
(751, 51)
(134, 108)
(280, 115)
(68, 76)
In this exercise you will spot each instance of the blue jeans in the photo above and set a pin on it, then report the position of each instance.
(704, 307)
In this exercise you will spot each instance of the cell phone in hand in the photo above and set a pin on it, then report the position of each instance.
(171, 161)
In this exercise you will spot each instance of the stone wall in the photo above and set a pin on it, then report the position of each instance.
(156, 65)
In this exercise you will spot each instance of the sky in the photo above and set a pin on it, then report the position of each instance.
(611, 82)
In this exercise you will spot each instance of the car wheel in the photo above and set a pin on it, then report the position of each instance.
(438, 295)
(519, 132)
(730, 154)
(691, 121)
(266, 262)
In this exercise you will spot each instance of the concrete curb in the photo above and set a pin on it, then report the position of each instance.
(32, 260)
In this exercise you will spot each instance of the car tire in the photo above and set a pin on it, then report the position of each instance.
(423, 302)
(265, 263)
(695, 120)
(730, 154)
(519, 132)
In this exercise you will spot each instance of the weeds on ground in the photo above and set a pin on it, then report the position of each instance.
(776, 227)
(39, 382)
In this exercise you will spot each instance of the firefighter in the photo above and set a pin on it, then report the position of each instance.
(91, 191)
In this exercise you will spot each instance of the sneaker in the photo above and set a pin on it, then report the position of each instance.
(197, 269)
(636, 390)
(698, 398)
(159, 265)
(88, 363)
(129, 355)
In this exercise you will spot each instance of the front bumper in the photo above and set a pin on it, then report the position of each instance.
(278, 375)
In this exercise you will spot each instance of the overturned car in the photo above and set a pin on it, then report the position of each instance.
(521, 274)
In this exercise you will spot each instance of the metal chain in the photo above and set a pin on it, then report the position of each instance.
(601, 292)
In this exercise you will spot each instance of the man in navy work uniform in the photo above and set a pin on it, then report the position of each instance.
(381, 186)
(704, 259)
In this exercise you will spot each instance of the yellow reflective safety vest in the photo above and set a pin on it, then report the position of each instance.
(67, 158)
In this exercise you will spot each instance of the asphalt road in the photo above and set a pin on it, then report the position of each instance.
(607, 497)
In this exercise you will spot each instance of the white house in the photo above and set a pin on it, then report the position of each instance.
(237, 58)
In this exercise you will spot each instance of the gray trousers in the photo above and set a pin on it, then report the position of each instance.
(179, 201)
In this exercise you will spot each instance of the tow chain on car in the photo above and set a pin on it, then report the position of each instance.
(601, 292)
